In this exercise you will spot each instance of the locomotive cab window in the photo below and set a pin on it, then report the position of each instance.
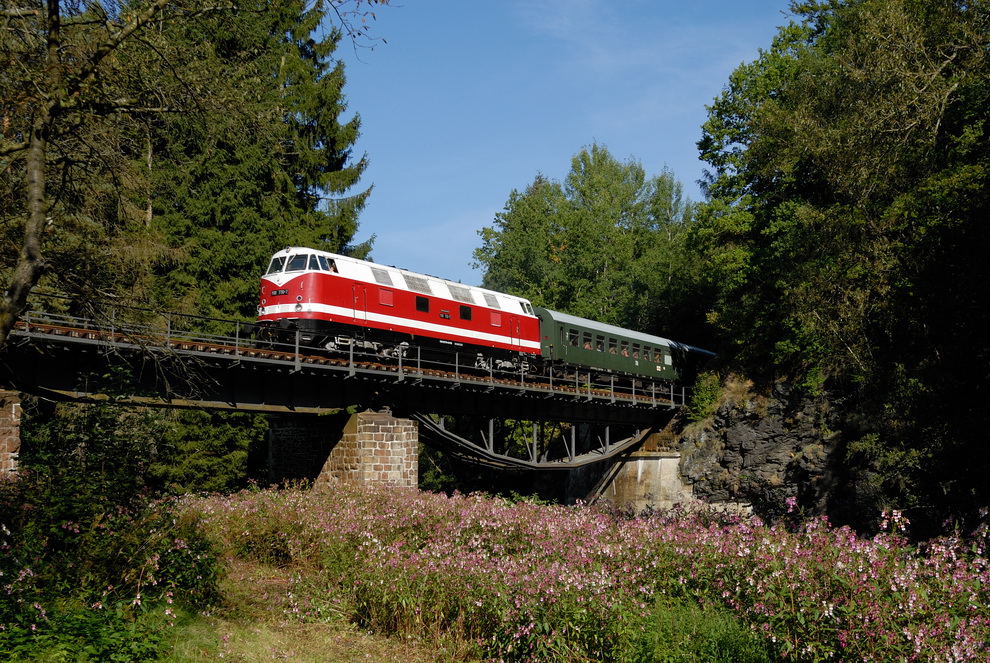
(278, 262)
(314, 263)
(297, 263)
(465, 312)
(422, 304)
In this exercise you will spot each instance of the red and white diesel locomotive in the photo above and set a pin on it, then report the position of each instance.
(335, 301)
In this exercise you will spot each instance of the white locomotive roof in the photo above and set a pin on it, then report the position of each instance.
(370, 272)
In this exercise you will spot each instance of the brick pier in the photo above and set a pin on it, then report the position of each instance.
(369, 448)
(10, 431)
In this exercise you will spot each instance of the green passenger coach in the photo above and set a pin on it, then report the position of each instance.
(570, 340)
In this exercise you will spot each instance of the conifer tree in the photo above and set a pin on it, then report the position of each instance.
(273, 169)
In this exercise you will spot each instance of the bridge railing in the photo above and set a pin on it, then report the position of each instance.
(122, 324)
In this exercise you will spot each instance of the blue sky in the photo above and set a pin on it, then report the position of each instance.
(469, 99)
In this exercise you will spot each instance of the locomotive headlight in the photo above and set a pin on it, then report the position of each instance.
(298, 308)
(298, 298)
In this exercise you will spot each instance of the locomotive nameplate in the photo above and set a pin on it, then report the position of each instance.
(283, 291)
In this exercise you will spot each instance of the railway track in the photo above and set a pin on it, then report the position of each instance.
(300, 358)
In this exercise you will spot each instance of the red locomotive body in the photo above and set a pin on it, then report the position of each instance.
(334, 301)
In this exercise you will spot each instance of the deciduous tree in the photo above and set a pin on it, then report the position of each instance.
(607, 244)
(847, 216)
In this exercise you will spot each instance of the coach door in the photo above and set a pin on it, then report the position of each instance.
(360, 297)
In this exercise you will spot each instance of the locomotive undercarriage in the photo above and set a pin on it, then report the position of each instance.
(391, 346)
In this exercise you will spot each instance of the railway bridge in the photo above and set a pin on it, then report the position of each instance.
(394, 403)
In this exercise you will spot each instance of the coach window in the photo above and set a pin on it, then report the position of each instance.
(635, 350)
(657, 356)
(600, 343)
(612, 344)
(624, 348)
(422, 304)
(646, 353)
(586, 340)
(572, 337)
(465, 313)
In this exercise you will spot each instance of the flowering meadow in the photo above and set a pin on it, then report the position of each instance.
(518, 581)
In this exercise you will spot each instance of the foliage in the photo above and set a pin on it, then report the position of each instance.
(113, 112)
(96, 576)
(209, 451)
(263, 168)
(607, 244)
(91, 566)
(848, 193)
(523, 582)
(704, 396)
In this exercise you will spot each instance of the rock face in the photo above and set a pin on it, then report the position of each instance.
(763, 449)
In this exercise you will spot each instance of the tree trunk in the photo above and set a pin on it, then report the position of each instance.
(30, 264)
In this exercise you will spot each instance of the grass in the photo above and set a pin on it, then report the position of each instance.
(249, 628)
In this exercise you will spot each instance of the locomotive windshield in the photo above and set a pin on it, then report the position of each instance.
(297, 263)
(278, 262)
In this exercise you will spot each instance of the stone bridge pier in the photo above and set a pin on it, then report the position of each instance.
(365, 448)
(10, 431)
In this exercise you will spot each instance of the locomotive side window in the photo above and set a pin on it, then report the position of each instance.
(385, 297)
(297, 263)
(278, 262)
(422, 304)
(465, 313)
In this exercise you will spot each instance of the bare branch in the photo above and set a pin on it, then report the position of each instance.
(18, 13)
(7, 148)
